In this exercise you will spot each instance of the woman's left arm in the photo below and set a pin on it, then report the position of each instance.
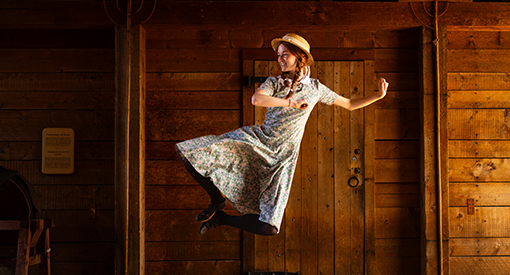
(356, 103)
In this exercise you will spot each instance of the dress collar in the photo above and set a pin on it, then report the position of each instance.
(305, 79)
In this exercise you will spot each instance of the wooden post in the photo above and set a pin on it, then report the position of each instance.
(433, 143)
(136, 207)
(130, 150)
(122, 75)
(428, 181)
(443, 147)
(23, 254)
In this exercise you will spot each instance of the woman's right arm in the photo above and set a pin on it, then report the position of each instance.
(262, 99)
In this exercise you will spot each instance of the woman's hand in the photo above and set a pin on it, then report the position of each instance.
(383, 87)
(300, 104)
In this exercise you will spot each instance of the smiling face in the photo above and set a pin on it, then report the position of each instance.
(286, 59)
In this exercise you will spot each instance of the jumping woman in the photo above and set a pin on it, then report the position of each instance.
(252, 167)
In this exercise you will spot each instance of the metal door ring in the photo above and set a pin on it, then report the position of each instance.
(353, 181)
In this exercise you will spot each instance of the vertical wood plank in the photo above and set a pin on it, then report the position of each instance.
(261, 248)
(130, 150)
(443, 144)
(261, 251)
(309, 173)
(136, 226)
(342, 173)
(428, 154)
(248, 119)
(293, 221)
(23, 249)
(357, 138)
(276, 243)
(273, 68)
(248, 251)
(276, 250)
(326, 219)
(122, 64)
(369, 167)
(44, 245)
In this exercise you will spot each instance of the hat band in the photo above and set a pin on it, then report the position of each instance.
(297, 43)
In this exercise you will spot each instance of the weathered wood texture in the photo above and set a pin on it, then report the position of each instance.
(85, 14)
(55, 78)
(314, 14)
(195, 88)
(430, 262)
(206, 37)
(479, 154)
(130, 118)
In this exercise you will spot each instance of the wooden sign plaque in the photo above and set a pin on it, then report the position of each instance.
(58, 151)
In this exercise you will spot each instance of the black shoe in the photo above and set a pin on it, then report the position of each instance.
(210, 210)
(211, 223)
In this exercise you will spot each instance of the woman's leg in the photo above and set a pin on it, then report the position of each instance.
(206, 183)
(249, 222)
(217, 200)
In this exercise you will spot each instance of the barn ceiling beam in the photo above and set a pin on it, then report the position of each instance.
(247, 14)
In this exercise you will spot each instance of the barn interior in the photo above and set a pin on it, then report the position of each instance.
(416, 183)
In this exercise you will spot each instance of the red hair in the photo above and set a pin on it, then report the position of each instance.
(302, 61)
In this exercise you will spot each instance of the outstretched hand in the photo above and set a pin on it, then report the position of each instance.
(383, 87)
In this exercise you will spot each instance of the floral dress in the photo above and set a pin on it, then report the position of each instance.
(253, 166)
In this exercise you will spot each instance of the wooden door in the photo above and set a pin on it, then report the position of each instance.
(328, 226)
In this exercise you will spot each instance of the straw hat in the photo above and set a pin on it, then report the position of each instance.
(295, 40)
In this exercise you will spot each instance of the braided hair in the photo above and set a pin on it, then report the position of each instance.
(302, 61)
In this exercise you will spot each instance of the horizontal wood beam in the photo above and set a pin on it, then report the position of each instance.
(53, 14)
(318, 55)
(314, 15)
(307, 15)
(247, 14)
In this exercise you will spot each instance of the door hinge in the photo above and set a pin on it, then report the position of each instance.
(249, 80)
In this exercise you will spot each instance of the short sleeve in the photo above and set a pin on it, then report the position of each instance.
(327, 96)
(270, 85)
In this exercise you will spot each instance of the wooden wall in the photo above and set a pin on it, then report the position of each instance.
(478, 151)
(63, 78)
(397, 218)
(194, 88)
(57, 70)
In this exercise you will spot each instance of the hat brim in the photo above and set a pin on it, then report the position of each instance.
(276, 42)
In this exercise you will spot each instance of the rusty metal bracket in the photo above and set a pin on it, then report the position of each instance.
(249, 80)
(471, 206)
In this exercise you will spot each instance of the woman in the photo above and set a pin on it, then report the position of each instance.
(252, 167)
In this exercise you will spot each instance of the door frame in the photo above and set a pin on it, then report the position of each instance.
(249, 56)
